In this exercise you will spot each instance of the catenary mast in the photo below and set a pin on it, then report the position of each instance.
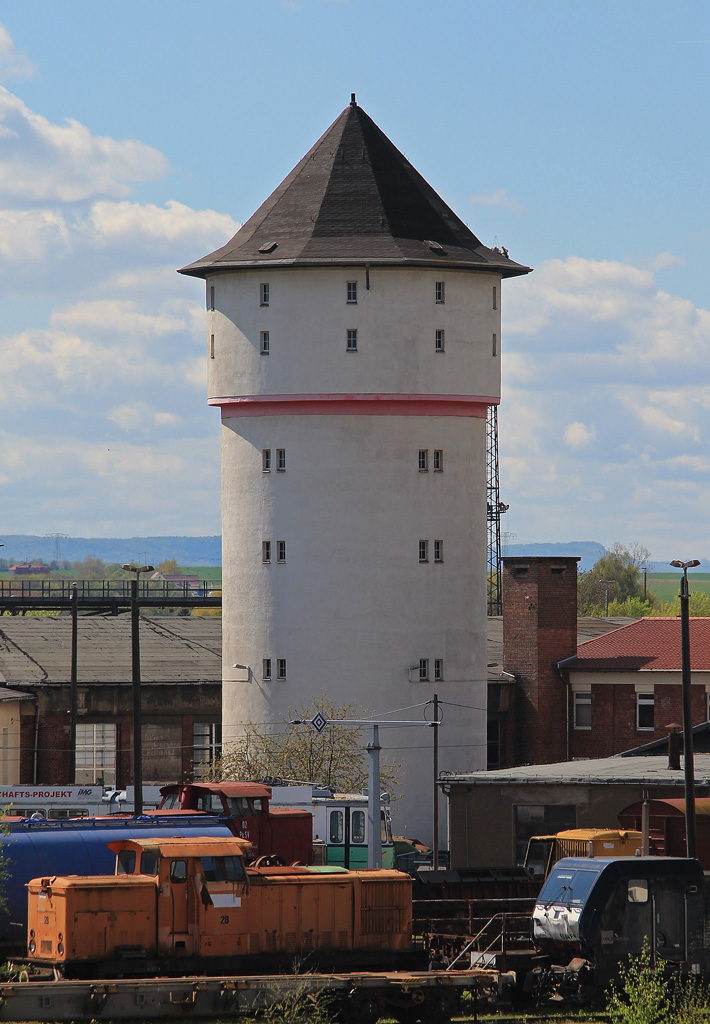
(353, 334)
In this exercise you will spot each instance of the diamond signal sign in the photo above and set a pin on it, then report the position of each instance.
(319, 722)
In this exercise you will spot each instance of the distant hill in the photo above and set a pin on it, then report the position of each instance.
(186, 550)
(588, 550)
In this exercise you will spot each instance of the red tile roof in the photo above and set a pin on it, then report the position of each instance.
(651, 644)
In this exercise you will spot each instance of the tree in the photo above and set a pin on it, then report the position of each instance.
(335, 757)
(169, 567)
(90, 568)
(621, 565)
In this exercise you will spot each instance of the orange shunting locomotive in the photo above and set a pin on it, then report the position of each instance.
(189, 904)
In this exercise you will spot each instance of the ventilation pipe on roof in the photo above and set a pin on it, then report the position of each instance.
(674, 747)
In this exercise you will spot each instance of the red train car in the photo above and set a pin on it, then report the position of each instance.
(667, 826)
(283, 832)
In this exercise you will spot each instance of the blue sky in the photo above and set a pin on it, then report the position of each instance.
(135, 137)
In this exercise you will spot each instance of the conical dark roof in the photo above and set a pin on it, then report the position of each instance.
(354, 198)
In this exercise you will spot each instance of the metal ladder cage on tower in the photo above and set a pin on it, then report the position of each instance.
(494, 509)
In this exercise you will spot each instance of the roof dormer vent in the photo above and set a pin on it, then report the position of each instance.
(435, 246)
(268, 247)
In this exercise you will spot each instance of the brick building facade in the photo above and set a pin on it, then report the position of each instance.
(181, 698)
(559, 699)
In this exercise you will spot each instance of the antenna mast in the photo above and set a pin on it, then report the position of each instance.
(495, 508)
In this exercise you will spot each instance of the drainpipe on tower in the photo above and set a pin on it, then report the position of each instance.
(562, 668)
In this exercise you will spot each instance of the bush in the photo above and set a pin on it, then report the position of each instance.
(645, 995)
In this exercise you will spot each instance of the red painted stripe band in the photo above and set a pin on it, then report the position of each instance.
(354, 405)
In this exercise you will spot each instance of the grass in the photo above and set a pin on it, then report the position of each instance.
(666, 586)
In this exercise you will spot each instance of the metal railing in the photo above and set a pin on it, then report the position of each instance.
(27, 594)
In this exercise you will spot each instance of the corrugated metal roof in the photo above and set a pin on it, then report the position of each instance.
(354, 198)
(600, 771)
(649, 644)
(174, 649)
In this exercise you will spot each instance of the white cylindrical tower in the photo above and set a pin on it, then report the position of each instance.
(353, 348)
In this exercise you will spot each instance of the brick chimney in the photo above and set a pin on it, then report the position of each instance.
(539, 630)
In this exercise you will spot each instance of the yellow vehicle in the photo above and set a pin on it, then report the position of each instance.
(544, 851)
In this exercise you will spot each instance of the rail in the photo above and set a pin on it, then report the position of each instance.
(20, 595)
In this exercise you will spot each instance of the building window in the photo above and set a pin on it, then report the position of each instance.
(423, 670)
(263, 295)
(423, 460)
(495, 297)
(280, 460)
(95, 753)
(264, 343)
(210, 300)
(423, 550)
(352, 339)
(438, 669)
(583, 709)
(494, 345)
(352, 291)
(266, 669)
(644, 711)
(266, 551)
(438, 551)
(438, 341)
(440, 292)
(280, 550)
(266, 460)
(438, 460)
(280, 668)
(211, 346)
(206, 747)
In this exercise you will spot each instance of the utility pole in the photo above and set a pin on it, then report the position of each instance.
(689, 771)
(72, 684)
(436, 783)
(136, 683)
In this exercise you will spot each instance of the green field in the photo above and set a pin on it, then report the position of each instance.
(666, 585)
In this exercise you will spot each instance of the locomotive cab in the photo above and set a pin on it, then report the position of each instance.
(603, 909)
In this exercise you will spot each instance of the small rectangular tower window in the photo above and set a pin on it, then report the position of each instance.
(266, 460)
(438, 669)
(352, 339)
(423, 460)
(210, 297)
(438, 551)
(352, 291)
(280, 550)
(266, 671)
(263, 294)
(266, 551)
(280, 460)
(423, 670)
(423, 550)
(495, 297)
(211, 346)
(494, 345)
(438, 341)
(280, 668)
(264, 343)
(438, 460)
(440, 292)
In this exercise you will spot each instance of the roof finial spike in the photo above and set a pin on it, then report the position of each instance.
(352, 100)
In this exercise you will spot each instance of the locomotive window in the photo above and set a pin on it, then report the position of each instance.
(638, 890)
(178, 871)
(357, 827)
(336, 826)
(170, 802)
(149, 863)
(223, 869)
(210, 802)
(126, 862)
(570, 888)
(238, 806)
(257, 805)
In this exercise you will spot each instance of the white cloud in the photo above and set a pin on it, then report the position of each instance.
(498, 198)
(12, 63)
(113, 316)
(173, 222)
(41, 161)
(579, 435)
(136, 415)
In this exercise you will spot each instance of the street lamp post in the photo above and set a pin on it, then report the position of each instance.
(687, 709)
(607, 584)
(136, 682)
